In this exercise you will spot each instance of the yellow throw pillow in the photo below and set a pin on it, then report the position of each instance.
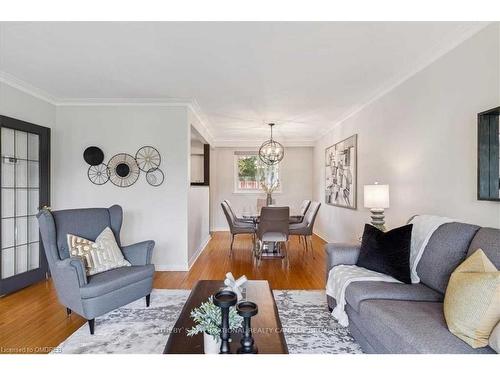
(472, 300)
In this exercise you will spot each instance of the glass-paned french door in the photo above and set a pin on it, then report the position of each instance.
(24, 188)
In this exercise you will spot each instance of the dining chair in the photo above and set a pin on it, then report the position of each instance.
(303, 207)
(273, 227)
(237, 227)
(262, 202)
(305, 228)
(236, 218)
(302, 212)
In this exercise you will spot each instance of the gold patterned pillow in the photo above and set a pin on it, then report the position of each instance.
(472, 300)
(102, 255)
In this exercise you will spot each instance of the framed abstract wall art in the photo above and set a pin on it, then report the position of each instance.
(341, 173)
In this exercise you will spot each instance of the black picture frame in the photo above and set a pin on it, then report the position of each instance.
(488, 155)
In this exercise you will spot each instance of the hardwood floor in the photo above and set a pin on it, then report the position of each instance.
(33, 321)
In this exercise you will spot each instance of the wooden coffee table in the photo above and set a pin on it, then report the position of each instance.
(266, 325)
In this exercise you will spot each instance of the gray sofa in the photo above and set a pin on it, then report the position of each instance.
(401, 318)
(91, 296)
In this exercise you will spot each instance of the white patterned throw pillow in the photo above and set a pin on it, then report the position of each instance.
(102, 255)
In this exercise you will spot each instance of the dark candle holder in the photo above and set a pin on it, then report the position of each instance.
(225, 299)
(246, 310)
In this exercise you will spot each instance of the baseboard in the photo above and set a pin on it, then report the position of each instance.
(220, 229)
(322, 236)
(198, 252)
(171, 267)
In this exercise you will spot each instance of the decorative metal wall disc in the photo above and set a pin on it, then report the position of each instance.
(98, 174)
(148, 158)
(155, 177)
(93, 155)
(123, 170)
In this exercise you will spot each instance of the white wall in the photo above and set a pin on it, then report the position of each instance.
(23, 106)
(295, 174)
(198, 221)
(158, 213)
(420, 138)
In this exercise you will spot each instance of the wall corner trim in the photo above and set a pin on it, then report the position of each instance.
(198, 252)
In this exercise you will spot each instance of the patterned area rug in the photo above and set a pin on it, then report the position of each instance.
(307, 324)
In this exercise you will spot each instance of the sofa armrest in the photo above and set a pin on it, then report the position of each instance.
(72, 269)
(139, 254)
(341, 253)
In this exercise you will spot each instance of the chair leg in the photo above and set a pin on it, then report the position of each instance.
(259, 252)
(232, 241)
(91, 326)
(68, 311)
(305, 244)
(311, 244)
(285, 246)
(148, 300)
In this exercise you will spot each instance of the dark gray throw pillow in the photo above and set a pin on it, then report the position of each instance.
(387, 252)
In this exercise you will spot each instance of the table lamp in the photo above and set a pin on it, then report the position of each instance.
(376, 198)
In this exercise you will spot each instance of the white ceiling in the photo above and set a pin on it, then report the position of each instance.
(305, 76)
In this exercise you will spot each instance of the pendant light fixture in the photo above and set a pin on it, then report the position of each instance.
(271, 152)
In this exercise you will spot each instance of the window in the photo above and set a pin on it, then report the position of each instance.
(250, 173)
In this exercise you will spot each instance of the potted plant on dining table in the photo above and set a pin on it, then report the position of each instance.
(269, 182)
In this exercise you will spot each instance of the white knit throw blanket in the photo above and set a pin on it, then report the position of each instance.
(341, 276)
(423, 228)
(339, 279)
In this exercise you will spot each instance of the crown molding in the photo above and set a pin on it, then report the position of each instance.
(248, 143)
(153, 102)
(25, 87)
(435, 54)
(38, 93)
(205, 130)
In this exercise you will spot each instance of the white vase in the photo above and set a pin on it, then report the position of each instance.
(210, 344)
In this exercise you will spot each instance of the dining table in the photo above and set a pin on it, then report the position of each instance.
(272, 249)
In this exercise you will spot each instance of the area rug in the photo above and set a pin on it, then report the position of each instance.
(307, 324)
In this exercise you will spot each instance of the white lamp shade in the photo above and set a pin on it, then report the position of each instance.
(376, 196)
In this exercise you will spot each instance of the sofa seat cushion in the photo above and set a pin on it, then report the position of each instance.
(360, 291)
(412, 327)
(117, 278)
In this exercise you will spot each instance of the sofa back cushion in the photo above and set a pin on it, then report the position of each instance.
(487, 239)
(446, 249)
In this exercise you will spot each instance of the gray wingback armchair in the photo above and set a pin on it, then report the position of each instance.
(92, 296)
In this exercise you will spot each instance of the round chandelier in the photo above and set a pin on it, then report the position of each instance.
(271, 152)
